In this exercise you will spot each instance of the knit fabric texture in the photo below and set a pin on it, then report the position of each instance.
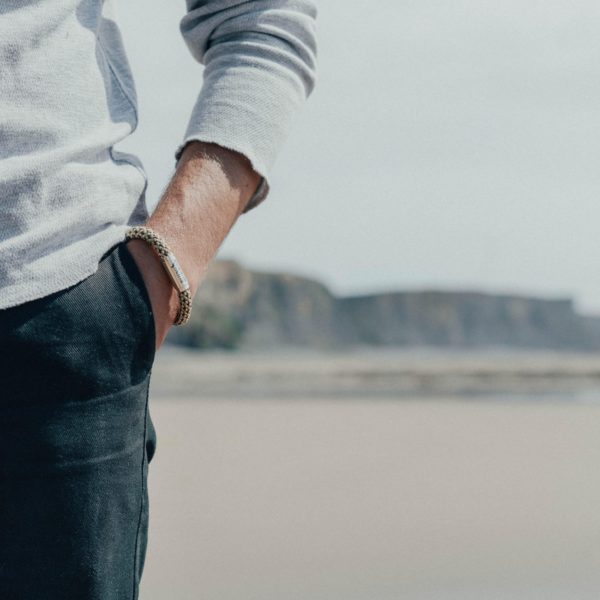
(67, 97)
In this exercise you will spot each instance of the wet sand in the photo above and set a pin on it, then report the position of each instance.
(309, 497)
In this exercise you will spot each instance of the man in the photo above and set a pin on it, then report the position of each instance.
(83, 308)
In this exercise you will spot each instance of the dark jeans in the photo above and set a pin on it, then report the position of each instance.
(76, 438)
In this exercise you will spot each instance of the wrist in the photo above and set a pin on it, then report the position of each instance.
(171, 266)
(160, 288)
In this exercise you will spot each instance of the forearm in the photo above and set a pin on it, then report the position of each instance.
(204, 198)
(206, 195)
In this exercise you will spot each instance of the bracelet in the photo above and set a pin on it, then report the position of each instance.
(172, 268)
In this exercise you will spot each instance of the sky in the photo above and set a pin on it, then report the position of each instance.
(447, 145)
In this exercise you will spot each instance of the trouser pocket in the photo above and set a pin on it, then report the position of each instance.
(94, 338)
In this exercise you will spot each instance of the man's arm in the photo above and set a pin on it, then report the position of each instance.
(202, 202)
(259, 62)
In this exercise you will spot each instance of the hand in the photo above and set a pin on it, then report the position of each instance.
(163, 295)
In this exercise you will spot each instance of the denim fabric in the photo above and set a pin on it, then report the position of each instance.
(76, 437)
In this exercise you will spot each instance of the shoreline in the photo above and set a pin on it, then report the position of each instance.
(378, 374)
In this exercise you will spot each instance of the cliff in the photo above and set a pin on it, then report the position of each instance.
(239, 308)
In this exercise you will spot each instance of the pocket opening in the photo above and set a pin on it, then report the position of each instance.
(135, 277)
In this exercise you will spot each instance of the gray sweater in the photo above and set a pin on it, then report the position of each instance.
(67, 96)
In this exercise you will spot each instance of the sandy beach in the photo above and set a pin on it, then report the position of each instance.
(383, 496)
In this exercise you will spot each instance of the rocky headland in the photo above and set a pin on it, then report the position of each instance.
(240, 308)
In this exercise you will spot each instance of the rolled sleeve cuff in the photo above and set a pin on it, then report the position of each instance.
(251, 115)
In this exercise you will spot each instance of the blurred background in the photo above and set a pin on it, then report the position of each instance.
(390, 388)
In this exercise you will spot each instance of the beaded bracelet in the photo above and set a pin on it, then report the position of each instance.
(172, 267)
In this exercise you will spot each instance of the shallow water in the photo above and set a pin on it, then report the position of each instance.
(314, 498)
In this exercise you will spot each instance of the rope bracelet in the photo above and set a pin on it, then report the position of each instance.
(172, 267)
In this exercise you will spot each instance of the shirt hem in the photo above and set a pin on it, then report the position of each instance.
(70, 273)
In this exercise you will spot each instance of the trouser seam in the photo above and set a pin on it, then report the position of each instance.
(142, 495)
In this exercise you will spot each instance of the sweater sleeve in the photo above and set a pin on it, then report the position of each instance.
(259, 62)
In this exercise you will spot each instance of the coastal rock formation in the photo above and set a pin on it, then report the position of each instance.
(239, 308)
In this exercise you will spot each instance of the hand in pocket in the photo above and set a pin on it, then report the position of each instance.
(163, 296)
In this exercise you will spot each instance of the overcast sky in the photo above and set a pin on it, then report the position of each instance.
(446, 145)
